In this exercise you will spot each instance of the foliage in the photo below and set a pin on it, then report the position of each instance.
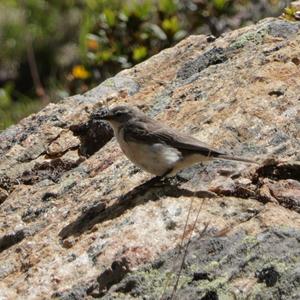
(291, 13)
(50, 49)
(15, 111)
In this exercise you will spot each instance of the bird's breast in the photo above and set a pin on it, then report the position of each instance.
(156, 158)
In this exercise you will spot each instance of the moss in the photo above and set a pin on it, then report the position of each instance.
(255, 37)
(260, 291)
(219, 285)
(215, 284)
(109, 82)
(250, 239)
(193, 268)
(211, 266)
(227, 296)
(156, 283)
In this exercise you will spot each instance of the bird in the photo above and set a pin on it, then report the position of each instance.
(155, 147)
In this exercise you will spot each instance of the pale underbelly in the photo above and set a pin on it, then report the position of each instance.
(158, 158)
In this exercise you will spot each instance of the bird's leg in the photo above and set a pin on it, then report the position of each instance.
(163, 179)
(171, 180)
(167, 173)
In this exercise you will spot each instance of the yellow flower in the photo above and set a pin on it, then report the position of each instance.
(92, 42)
(139, 53)
(92, 45)
(80, 72)
(171, 25)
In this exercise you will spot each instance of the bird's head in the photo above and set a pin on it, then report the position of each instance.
(120, 114)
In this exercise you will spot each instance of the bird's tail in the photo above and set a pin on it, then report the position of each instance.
(236, 158)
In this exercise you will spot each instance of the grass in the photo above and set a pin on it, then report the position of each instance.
(17, 111)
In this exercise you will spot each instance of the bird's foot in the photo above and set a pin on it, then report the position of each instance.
(172, 180)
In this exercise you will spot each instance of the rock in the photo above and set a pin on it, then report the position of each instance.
(224, 186)
(286, 192)
(295, 4)
(11, 239)
(268, 275)
(79, 221)
(233, 266)
(93, 134)
(65, 141)
(3, 195)
(112, 275)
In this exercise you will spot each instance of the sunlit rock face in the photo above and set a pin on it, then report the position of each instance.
(79, 221)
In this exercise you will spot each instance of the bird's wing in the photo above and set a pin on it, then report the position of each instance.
(152, 132)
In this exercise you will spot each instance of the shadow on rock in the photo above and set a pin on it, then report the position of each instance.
(151, 190)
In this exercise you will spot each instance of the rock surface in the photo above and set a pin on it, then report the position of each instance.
(79, 221)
